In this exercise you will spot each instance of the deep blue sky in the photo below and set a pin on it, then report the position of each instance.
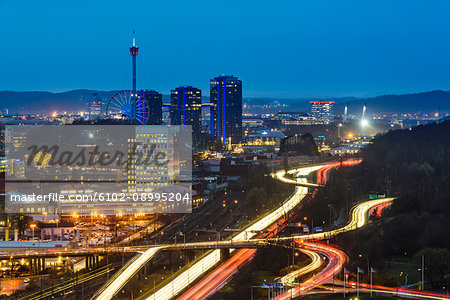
(279, 49)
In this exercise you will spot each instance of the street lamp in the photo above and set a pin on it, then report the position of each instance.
(32, 226)
(330, 206)
(184, 237)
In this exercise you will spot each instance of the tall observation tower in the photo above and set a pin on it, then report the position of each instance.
(134, 53)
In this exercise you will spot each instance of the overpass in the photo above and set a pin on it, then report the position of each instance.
(132, 249)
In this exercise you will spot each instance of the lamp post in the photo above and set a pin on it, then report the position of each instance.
(32, 226)
(423, 271)
(184, 237)
(330, 206)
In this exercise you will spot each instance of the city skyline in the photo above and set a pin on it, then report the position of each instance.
(227, 150)
(388, 54)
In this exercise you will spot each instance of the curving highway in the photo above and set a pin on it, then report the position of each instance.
(215, 280)
(316, 262)
(200, 268)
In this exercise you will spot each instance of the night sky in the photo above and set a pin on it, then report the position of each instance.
(278, 49)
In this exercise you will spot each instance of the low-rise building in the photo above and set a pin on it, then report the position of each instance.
(264, 139)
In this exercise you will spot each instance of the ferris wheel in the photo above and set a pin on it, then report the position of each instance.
(120, 106)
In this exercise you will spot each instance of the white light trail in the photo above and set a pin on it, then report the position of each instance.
(202, 266)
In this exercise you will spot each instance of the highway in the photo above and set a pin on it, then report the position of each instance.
(400, 292)
(316, 262)
(382, 290)
(336, 260)
(359, 217)
(201, 267)
(221, 275)
(216, 279)
(335, 257)
(123, 275)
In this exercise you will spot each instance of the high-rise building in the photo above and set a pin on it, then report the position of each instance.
(95, 107)
(226, 109)
(322, 111)
(186, 108)
(142, 176)
(153, 101)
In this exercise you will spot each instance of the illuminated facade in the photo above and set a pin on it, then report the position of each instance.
(303, 120)
(321, 143)
(322, 111)
(346, 149)
(265, 139)
(186, 108)
(252, 122)
(141, 176)
(353, 146)
(226, 109)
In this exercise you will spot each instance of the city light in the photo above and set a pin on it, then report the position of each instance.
(167, 187)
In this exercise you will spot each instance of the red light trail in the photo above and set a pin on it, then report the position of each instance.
(218, 278)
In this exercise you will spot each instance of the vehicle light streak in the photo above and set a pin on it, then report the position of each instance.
(393, 291)
(359, 219)
(202, 266)
(336, 260)
(222, 274)
(113, 286)
(315, 264)
(211, 259)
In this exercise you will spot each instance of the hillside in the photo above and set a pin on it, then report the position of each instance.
(414, 166)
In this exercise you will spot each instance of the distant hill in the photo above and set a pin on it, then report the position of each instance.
(75, 100)
(38, 102)
(419, 102)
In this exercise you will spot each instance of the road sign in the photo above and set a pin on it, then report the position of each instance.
(373, 196)
(318, 229)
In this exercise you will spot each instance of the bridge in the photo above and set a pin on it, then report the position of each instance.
(133, 249)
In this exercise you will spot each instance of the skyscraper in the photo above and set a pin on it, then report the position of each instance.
(322, 111)
(226, 108)
(186, 108)
(153, 101)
